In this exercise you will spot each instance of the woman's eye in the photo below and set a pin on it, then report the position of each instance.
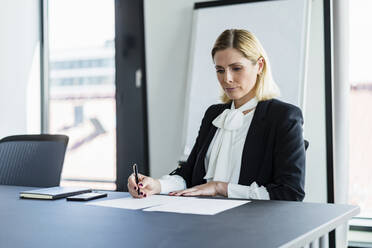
(220, 71)
(237, 69)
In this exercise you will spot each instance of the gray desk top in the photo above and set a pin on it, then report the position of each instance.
(61, 223)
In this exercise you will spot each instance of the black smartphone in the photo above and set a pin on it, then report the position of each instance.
(86, 196)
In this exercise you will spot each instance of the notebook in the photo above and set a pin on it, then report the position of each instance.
(53, 192)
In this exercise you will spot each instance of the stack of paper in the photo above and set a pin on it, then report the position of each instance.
(164, 203)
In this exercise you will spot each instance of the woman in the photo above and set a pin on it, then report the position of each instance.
(249, 147)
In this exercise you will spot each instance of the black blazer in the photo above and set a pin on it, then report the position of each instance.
(273, 153)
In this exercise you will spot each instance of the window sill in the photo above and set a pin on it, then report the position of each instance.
(361, 224)
(360, 233)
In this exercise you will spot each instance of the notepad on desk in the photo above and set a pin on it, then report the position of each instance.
(53, 192)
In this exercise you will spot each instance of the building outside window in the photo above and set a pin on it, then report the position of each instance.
(360, 189)
(82, 89)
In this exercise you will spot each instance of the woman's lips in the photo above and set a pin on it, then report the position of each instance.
(230, 89)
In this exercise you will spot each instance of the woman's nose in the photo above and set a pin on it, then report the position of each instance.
(228, 77)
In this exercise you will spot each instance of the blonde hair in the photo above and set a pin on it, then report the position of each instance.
(245, 42)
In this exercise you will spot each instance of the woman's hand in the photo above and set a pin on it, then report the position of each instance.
(207, 189)
(147, 185)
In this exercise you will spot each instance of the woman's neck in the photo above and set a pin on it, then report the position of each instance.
(240, 102)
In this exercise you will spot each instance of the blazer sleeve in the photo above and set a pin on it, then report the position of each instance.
(288, 158)
(185, 169)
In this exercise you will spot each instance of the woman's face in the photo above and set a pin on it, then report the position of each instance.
(237, 74)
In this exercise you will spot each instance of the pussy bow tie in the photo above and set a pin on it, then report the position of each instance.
(233, 119)
(229, 119)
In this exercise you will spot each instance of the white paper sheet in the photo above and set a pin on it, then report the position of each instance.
(134, 203)
(198, 206)
(173, 204)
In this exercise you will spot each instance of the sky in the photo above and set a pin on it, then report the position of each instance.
(80, 23)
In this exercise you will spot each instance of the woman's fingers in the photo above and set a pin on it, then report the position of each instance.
(146, 186)
(131, 181)
(193, 193)
(140, 176)
(190, 190)
(183, 192)
(152, 185)
(144, 193)
(133, 192)
(176, 191)
(145, 182)
(133, 187)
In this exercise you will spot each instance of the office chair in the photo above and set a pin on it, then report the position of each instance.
(306, 143)
(32, 160)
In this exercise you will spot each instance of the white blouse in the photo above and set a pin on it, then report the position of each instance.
(223, 159)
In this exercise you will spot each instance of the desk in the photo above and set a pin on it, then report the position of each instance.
(61, 223)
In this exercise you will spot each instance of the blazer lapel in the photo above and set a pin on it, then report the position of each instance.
(199, 169)
(254, 145)
(204, 149)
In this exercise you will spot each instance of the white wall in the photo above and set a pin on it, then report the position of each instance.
(19, 67)
(167, 31)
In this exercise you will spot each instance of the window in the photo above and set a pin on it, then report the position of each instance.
(82, 89)
(360, 189)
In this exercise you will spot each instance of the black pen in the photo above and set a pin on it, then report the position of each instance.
(135, 171)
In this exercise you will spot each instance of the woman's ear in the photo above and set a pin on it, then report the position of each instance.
(260, 63)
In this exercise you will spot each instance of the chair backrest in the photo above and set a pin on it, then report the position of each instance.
(32, 160)
(306, 144)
